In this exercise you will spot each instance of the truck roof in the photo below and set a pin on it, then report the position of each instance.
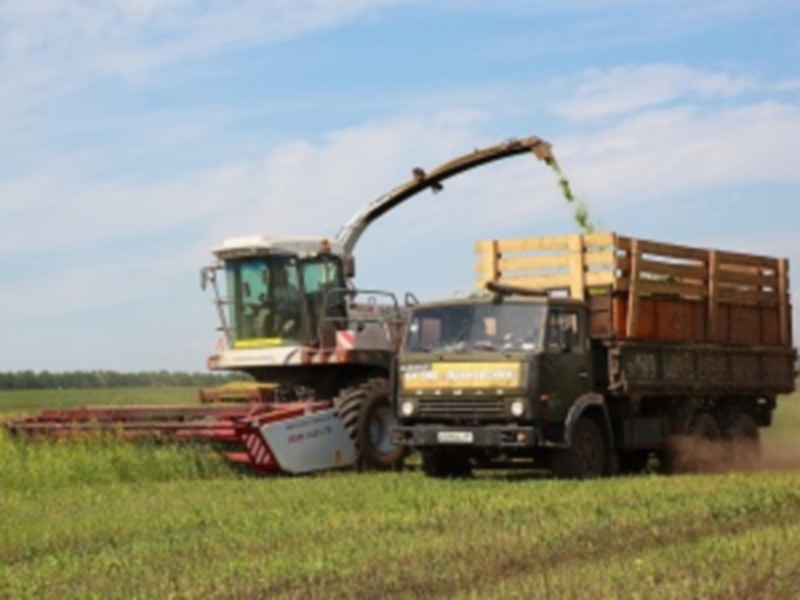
(488, 299)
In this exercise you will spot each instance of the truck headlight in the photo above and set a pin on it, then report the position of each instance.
(517, 408)
(407, 408)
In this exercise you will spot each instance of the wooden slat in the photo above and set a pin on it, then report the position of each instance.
(558, 242)
(755, 279)
(533, 262)
(633, 293)
(600, 257)
(599, 278)
(783, 307)
(662, 249)
(712, 327)
(518, 263)
(672, 250)
(674, 270)
(488, 270)
(752, 260)
(562, 281)
(599, 239)
(559, 281)
(734, 296)
(576, 267)
(647, 286)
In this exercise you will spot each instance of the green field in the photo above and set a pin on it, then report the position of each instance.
(113, 521)
(30, 400)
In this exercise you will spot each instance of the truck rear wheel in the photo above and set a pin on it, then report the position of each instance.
(367, 415)
(741, 434)
(587, 456)
(696, 450)
(442, 465)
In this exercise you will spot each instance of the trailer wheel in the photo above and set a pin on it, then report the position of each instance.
(442, 465)
(367, 415)
(586, 457)
(741, 434)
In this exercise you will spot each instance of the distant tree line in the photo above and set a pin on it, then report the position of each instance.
(44, 380)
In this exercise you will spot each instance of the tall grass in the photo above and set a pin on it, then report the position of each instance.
(47, 464)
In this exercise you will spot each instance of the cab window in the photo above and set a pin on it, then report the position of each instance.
(563, 331)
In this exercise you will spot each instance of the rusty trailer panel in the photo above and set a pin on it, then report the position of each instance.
(703, 371)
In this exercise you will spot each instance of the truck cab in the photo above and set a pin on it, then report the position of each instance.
(490, 380)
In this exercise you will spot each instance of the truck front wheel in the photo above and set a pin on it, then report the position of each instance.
(587, 455)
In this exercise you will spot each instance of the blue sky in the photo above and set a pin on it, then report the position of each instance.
(137, 134)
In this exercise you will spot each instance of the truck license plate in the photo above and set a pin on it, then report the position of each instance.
(454, 437)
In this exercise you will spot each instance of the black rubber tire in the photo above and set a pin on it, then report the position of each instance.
(441, 465)
(587, 457)
(683, 454)
(357, 407)
(743, 438)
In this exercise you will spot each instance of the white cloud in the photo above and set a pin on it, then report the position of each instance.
(51, 47)
(662, 153)
(622, 90)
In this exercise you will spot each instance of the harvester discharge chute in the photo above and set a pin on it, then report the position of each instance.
(291, 319)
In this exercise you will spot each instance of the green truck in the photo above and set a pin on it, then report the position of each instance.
(591, 355)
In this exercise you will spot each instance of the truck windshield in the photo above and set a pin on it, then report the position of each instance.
(466, 327)
(268, 297)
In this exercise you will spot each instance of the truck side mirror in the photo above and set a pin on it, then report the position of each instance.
(349, 267)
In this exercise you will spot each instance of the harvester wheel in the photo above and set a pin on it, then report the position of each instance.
(367, 415)
(741, 434)
(586, 457)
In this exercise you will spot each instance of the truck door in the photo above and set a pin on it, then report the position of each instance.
(567, 369)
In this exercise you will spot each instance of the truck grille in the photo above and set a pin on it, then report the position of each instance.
(484, 407)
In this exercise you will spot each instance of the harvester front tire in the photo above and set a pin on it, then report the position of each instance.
(366, 413)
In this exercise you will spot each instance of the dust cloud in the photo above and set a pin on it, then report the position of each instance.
(703, 456)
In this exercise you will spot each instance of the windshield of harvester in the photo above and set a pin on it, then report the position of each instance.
(465, 327)
(277, 300)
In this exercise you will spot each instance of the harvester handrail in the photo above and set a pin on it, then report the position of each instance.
(352, 292)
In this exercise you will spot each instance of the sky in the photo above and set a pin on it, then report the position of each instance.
(135, 135)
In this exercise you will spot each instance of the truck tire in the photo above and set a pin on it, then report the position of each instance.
(743, 439)
(587, 456)
(367, 415)
(441, 465)
(691, 452)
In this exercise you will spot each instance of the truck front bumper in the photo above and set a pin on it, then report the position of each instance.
(485, 436)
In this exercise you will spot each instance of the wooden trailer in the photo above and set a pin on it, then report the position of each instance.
(674, 318)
